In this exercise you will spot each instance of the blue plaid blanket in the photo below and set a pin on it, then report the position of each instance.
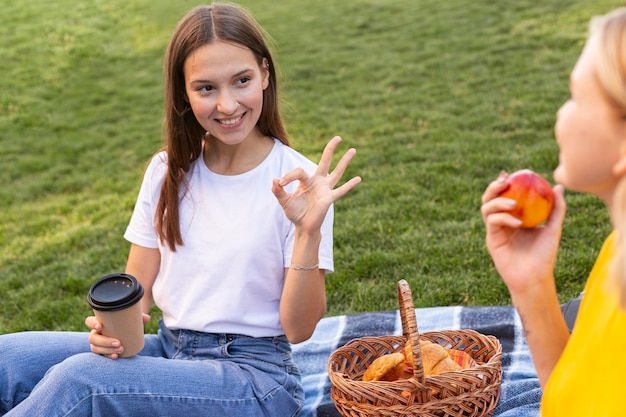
(520, 392)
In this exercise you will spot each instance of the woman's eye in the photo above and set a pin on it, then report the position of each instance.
(243, 80)
(205, 88)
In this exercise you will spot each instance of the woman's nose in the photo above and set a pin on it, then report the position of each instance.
(227, 104)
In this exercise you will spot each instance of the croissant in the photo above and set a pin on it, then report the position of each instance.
(435, 358)
(385, 368)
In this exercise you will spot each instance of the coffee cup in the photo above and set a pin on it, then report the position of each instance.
(115, 300)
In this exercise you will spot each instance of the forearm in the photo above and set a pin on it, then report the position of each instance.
(544, 326)
(303, 300)
(143, 264)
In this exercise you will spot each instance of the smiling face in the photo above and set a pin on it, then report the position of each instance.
(589, 131)
(224, 85)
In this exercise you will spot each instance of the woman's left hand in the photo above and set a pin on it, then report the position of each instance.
(307, 206)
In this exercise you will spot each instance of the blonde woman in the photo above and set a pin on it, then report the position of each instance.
(581, 373)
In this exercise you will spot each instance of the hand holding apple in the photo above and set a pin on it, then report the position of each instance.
(534, 197)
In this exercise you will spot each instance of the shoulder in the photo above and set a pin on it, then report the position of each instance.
(607, 252)
(155, 170)
(157, 164)
(291, 158)
(601, 270)
(158, 160)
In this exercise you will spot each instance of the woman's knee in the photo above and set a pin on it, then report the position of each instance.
(83, 368)
(27, 356)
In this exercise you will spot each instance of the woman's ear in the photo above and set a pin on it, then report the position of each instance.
(265, 70)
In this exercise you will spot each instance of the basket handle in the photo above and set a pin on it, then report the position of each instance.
(409, 327)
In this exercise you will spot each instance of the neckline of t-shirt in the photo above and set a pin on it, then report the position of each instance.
(252, 171)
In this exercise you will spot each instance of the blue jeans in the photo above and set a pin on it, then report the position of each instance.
(178, 373)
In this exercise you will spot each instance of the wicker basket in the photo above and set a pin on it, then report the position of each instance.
(469, 392)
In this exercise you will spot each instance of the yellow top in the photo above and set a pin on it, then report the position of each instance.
(590, 376)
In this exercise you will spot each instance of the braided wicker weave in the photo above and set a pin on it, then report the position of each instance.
(470, 392)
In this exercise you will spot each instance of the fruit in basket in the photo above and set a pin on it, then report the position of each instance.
(385, 368)
(534, 197)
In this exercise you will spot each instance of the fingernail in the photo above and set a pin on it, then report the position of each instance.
(510, 202)
(115, 344)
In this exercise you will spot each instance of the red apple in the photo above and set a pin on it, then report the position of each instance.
(534, 197)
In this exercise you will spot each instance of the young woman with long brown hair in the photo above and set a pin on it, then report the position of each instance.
(231, 237)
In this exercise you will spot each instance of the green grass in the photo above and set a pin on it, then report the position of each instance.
(437, 97)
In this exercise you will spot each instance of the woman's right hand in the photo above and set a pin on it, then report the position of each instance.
(523, 257)
(101, 344)
(308, 205)
(104, 345)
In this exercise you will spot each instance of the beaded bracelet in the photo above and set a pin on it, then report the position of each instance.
(304, 268)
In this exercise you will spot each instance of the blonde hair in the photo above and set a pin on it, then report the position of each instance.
(611, 74)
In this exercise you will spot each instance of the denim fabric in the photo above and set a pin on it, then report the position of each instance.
(178, 373)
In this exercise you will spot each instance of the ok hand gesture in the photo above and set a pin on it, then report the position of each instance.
(307, 206)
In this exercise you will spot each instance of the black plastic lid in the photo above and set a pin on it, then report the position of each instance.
(114, 292)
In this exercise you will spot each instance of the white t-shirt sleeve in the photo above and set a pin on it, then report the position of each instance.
(140, 230)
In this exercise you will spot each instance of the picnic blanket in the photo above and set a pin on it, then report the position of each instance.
(520, 393)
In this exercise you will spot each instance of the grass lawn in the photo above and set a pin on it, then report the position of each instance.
(437, 97)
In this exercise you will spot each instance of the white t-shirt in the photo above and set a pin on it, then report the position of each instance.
(228, 276)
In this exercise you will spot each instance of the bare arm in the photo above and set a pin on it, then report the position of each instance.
(143, 263)
(525, 260)
(544, 327)
(303, 301)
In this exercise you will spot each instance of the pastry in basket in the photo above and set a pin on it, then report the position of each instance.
(435, 358)
(385, 368)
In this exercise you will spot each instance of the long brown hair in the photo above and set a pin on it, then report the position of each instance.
(611, 72)
(182, 132)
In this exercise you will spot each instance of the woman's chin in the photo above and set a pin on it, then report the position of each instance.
(559, 176)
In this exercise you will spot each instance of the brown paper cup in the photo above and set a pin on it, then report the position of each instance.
(115, 300)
